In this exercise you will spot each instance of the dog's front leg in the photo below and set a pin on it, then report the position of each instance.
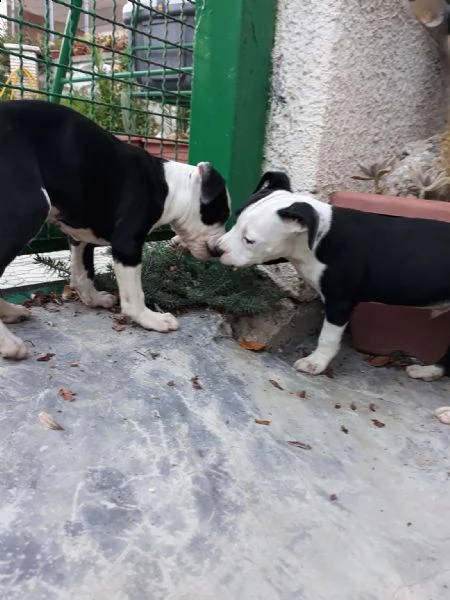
(133, 302)
(337, 316)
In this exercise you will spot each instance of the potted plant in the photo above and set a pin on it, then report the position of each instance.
(382, 329)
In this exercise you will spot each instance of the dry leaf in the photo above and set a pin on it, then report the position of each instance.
(373, 407)
(122, 320)
(41, 298)
(353, 406)
(67, 394)
(254, 346)
(45, 357)
(344, 429)
(73, 364)
(70, 293)
(443, 414)
(262, 422)
(49, 421)
(301, 394)
(119, 327)
(333, 497)
(275, 384)
(378, 423)
(301, 445)
(171, 383)
(196, 383)
(380, 361)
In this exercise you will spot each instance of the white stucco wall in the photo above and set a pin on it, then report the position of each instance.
(353, 81)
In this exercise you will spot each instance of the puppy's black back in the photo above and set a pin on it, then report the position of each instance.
(394, 260)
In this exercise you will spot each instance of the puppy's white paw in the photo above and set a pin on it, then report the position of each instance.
(104, 300)
(426, 373)
(443, 414)
(12, 346)
(13, 313)
(96, 299)
(157, 321)
(313, 364)
(178, 243)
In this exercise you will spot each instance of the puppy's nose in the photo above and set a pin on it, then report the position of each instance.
(216, 251)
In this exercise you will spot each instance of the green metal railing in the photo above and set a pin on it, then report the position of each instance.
(126, 72)
(133, 75)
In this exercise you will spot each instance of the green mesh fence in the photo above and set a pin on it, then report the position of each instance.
(125, 65)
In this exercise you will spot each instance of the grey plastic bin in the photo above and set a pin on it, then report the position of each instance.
(152, 29)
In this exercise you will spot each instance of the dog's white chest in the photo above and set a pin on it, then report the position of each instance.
(311, 271)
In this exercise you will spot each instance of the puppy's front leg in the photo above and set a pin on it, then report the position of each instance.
(337, 316)
(133, 303)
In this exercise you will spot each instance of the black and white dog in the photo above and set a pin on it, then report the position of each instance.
(348, 256)
(60, 167)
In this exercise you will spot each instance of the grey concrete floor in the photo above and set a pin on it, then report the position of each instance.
(155, 491)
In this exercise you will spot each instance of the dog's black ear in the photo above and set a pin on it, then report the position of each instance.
(212, 182)
(274, 180)
(305, 215)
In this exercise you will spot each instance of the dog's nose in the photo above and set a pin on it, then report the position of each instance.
(216, 251)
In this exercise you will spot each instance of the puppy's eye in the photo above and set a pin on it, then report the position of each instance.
(247, 241)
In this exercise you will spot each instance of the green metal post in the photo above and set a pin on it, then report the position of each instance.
(232, 59)
(70, 31)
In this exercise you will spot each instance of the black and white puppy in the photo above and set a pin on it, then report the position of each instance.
(60, 167)
(348, 256)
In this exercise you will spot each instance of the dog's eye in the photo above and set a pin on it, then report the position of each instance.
(247, 241)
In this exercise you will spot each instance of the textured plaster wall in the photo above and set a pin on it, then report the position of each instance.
(353, 81)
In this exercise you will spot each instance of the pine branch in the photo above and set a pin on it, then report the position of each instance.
(174, 280)
(58, 266)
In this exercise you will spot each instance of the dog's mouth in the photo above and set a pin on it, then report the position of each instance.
(199, 251)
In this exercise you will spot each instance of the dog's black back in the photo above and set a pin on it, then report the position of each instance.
(393, 260)
(86, 171)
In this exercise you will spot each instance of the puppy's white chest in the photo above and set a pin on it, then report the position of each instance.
(311, 271)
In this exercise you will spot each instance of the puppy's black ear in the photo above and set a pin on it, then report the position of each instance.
(304, 216)
(274, 180)
(212, 182)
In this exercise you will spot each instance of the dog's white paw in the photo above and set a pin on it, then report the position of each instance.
(178, 243)
(12, 346)
(443, 414)
(158, 322)
(13, 313)
(102, 299)
(96, 299)
(426, 373)
(313, 364)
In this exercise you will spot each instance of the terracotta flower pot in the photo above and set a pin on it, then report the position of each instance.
(166, 149)
(382, 329)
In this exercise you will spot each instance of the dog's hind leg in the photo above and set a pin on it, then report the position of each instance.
(10, 345)
(82, 276)
(24, 207)
(13, 313)
(431, 372)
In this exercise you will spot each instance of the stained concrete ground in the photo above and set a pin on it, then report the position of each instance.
(156, 491)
